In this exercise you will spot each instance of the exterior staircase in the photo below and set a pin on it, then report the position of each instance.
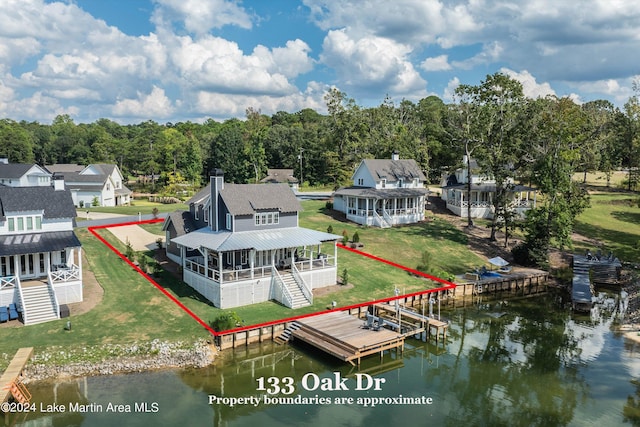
(298, 298)
(38, 304)
(285, 336)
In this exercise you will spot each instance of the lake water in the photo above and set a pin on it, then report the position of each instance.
(528, 362)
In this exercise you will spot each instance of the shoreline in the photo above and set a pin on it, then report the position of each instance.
(125, 359)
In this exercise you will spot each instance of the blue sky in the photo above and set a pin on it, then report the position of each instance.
(177, 60)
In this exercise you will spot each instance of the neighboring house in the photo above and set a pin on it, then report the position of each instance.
(279, 176)
(385, 192)
(23, 175)
(40, 256)
(240, 244)
(103, 183)
(483, 190)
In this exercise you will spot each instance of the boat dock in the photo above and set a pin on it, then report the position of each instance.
(13, 372)
(413, 323)
(345, 337)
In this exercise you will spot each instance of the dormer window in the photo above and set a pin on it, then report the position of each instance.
(400, 182)
(267, 218)
(383, 183)
(360, 182)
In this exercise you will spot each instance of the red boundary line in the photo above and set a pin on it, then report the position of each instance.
(446, 283)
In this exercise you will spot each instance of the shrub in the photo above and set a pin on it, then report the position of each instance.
(330, 229)
(344, 277)
(129, 252)
(225, 321)
(345, 240)
(328, 205)
(356, 237)
(95, 201)
(159, 242)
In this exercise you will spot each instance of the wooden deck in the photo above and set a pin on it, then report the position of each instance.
(342, 335)
(14, 371)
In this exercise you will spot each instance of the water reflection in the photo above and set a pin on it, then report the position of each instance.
(525, 363)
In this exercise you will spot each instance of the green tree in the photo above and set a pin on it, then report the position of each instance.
(16, 144)
(556, 138)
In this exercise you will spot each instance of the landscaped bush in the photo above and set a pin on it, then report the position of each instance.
(225, 321)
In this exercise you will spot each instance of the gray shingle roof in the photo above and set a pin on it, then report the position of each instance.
(182, 222)
(393, 170)
(55, 204)
(13, 170)
(245, 199)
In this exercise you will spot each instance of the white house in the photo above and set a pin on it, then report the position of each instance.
(385, 192)
(483, 190)
(23, 175)
(103, 183)
(40, 256)
(241, 244)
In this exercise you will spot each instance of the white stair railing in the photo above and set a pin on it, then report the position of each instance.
(302, 284)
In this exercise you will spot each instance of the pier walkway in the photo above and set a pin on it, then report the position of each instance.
(13, 372)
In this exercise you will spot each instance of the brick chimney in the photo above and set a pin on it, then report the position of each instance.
(216, 179)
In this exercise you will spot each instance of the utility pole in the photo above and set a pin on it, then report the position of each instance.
(300, 157)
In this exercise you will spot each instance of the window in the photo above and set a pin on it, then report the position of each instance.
(267, 218)
(400, 182)
(38, 223)
(12, 224)
(29, 223)
(383, 183)
(108, 186)
(20, 223)
(206, 216)
(229, 221)
(360, 181)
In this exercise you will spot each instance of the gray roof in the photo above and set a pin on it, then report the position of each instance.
(62, 168)
(392, 170)
(13, 170)
(20, 244)
(55, 204)
(261, 240)
(279, 175)
(245, 199)
(382, 193)
(201, 196)
(182, 222)
(488, 187)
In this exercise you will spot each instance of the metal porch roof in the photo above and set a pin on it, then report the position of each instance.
(261, 240)
(21, 244)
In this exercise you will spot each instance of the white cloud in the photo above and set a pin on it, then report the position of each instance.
(448, 93)
(371, 62)
(155, 104)
(437, 63)
(199, 16)
(530, 87)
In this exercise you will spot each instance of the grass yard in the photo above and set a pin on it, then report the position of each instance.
(614, 220)
(133, 310)
(138, 206)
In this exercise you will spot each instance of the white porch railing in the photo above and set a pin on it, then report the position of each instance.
(302, 284)
(287, 298)
(52, 292)
(380, 221)
(8, 282)
(63, 275)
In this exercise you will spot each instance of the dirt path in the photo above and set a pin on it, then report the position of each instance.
(140, 239)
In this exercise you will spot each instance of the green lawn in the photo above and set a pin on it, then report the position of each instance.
(133, 310)
(138, 206)
(613, 219)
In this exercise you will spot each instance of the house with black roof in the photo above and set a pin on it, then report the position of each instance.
(385, 192)
(23, 174)
(241, 244)
(40, 255)
(101, 183)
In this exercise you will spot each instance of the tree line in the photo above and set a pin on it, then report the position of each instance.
(541, 142)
